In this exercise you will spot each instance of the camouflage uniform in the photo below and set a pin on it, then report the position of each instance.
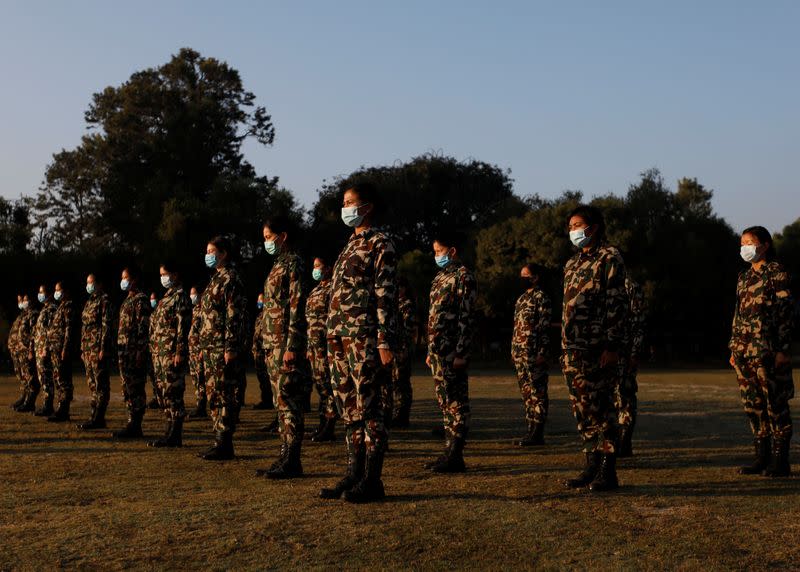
(531, 340)
(96, 337)
(627, 388)
(284, 329)
(317, 317)
(132, 339)
(59, 345)
(401, 373)
(13, 349)
(169, 332)
(223, 310)
(593, 320)
(451, 326)
(196, 371)
(264, 385)
(761, 328)
(44, 361)
(25, 350)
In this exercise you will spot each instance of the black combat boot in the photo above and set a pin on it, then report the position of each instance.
(97, 419)
(402, 417)
(46, 410)
(762, 447)
(319, 428)
(370, 487)
(272, 427)
(779, 462)
(162, 441)
(588, 474)
(534, 437)
(326, 431)
(606, 477)
(626, 441)
(222, 450)
(355, 472)
(133, 430)
(153, 403)
(173, 436)
(284, 452)
(291, 467)
(453, 459)
(200, 411)
(61, 414)
(18, 403)
(29, 404)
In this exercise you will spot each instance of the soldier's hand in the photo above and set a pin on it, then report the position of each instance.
(288, 358)
(782, 361)
(230, 356)
(100, 355)
(732, 361)
(387, 356)
(177, 360)
(428, 360)
(30, 355)
(63, 355)
(608, 358)
(459, 363)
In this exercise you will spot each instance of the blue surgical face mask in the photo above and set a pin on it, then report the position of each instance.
(442, 261)
(350, 216)
(57, 295)
(317, 274)
(578, 237)
(270, 247)
(42, 298)
(90, 288)
(24, 306)
(211, 260)
(153, 303)
(124, 285)
(19, 305)
(193, 298)
(166, 281)
(259, 304)
(749, 253)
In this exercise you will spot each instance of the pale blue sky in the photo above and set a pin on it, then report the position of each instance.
(569, 95)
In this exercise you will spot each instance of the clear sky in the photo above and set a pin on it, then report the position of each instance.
(568, 95)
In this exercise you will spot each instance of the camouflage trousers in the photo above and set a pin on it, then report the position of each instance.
(262, 375)
(765, 394)
(151, 373)
(241, 387)
(98, 377)
(357, 379)
(62, 378)
(401, 381)
(288, 387)
(625, 399)
(44, 371)
(321, 373)
(198, 375)
(171, 381)
(452, 392)
(26, 372)
(533, 382)
(591, 395)
(133, 374)
(222, 384)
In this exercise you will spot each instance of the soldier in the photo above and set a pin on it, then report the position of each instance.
(317, 317)
(59, 345)
(264, 386)
(451, 326)
(26, 357)
(284, 335)
(625, 397)
(760, 347)
(592, 335)
(195, 358)
(132, 339)
(13, 352)
(401, 372)
(361, 332)
(169, 348)
(44, 361)
(155, 401)
(529, 351)
(96, 350)
(223, 344)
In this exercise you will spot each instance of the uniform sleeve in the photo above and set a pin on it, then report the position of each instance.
(296, 328)
(143, 321)
(256, 334)
(543, 313)
(410, 320)
(69, 325)
(467, 295)
(638, 319)
(385, 295)
(106, 322)
(616, 303)
(234, 318)
(183, 318)
(735, 321)
(782, 312)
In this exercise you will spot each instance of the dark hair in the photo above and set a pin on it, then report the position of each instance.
(170, 265)
(133, 272)
(763, 236)
(225, 244)
(323, 259)
(591, 216)
(366, 191)
(279, 224)
(449, 238)
(536, 270)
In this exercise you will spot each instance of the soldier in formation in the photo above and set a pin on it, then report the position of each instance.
(96, 350)
(401, 372)
(264, 386)
(59, 346)
(44, 361)
(627, 388)
(196, 371)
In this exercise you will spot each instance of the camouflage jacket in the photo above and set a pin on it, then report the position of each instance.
(223, 314)
(762, 322)
(169, 324)
(42, 327)
(194, 330)
(27, 329)
(451, 318)
(363, 290)
(59, 334)
(258, 333)
(637, 316)
(134, 325)
(96, 325)
(13, 334)
(531, 338)
(317, 313)
(283, 315)
(407, 328)
(595, 302)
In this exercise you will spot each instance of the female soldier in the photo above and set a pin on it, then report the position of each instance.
(155, 401)
(132, 338)
(59, 342)
(592, 333)
(44, 361)
(13, 351)
(222, 344)
(760, 345)
(195, 358)
(96, 336)
(284, 331)
(169, 348)
(317, 316)
(26, 357)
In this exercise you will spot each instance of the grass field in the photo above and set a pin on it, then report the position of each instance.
(77, 500)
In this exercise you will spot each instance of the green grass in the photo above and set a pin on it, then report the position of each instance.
(78, 500)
